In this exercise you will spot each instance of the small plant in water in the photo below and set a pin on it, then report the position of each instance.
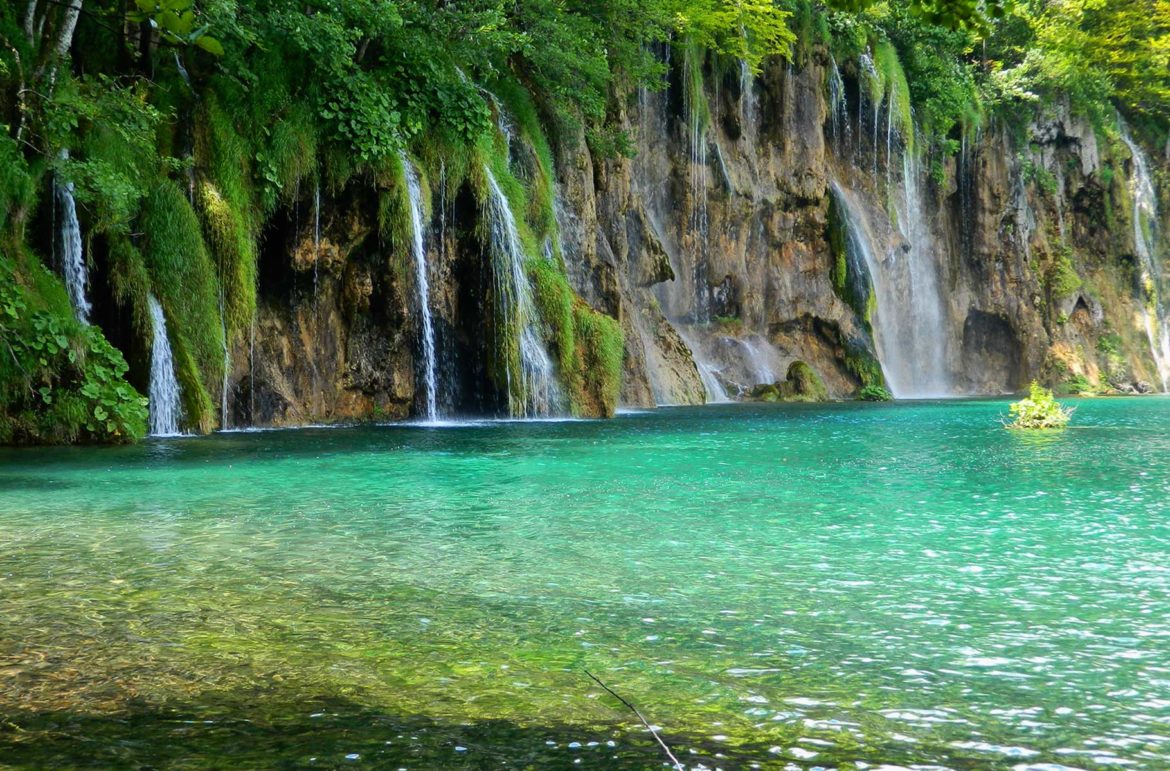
(1039, 410)
(874, 393)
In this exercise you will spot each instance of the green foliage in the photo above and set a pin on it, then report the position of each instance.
(60, 381)
(177, 22)
(1039, 410)
(952, 14)
(18, 188)
(874, 393)
(1079, 385)
(1092, 53)
(748, 30)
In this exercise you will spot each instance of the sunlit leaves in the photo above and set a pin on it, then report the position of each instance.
(177, 23)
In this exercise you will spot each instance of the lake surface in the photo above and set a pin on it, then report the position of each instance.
(775, 586)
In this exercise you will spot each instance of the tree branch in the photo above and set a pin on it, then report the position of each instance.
(678, 766)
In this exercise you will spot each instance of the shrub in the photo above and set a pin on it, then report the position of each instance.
(1039, 410)
(60, 381)
(874, 393)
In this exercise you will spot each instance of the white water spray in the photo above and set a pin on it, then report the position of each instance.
(909, 321)
(422, 285)
(533, 390)
(72, 256)
(165, 405)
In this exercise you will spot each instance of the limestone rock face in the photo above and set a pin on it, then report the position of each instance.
(713, 247)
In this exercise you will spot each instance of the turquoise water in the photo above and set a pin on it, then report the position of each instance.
(806, 586)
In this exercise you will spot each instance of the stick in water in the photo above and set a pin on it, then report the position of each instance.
(678, 766)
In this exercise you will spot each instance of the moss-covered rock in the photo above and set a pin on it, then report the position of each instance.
(801, 384)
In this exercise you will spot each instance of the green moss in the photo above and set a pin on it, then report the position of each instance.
(600, 352)
(290, 160)
(554, 302)
(587, 346)
(803, 384)
(1061, 278)
(130, 280)
(850, 281)
(183, 278)
(230, 210)
(198, 408)
(894, 89)
(864, 366)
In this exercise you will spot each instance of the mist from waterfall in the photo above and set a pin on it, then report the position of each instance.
(1155, 288)
(422, 287)
(165, 406)
(532, 386)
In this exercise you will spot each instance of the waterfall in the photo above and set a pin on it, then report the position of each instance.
(747, 98)
(1155, 289)
(909, 322)
(165, 408)
(697, 116)
(838, 108)
(757, 362)
(227, 371)
(422, 285)
(72, 256)
(716, 393)
(533, 390)
(708, 374)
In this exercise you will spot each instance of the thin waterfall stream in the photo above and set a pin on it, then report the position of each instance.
(72, 254)
(165, 405)
(1155, 288)
(422, 286)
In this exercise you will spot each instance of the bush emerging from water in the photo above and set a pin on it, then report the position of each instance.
(1039, 410)
(874, 393)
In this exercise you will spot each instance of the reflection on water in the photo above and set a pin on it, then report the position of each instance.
(821, 586)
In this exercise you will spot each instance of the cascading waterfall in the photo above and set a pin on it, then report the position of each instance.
(533, 390)
(921, 319)
(909, 322)
(757, 361)
(165, 406)
(716, 393)
(72, 255)
(1155, 289)
(422, 286)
